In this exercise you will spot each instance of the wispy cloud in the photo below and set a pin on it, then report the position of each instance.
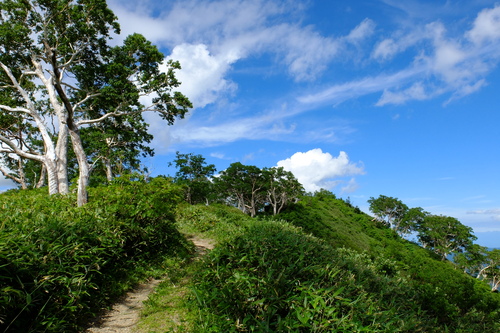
(226, 32)
(442, 64)
(340, 92)
(494, 213)
(233, 30)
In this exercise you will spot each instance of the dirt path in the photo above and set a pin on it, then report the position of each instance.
(124, 315)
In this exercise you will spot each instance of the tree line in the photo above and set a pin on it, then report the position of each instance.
(247, 187)
(444, 235)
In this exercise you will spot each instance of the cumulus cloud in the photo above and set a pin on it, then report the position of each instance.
(315, 169)
(202, 74)
(235, 29)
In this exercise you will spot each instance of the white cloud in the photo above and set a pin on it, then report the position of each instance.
(385, 49)
(449, 65)
(315, 169)
(254, 128)
(486, 26)
(353, 89)
(364, 30)
(202, 74)
(220, 156)
(415, 92)
(234, 29)
(351, 186)
(493, 213)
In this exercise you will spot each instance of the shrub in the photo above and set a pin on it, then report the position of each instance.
(274, 278)
(60, 264)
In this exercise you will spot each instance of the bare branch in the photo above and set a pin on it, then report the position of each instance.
(16, 150)
(106, 116)
(18, 109)
(8, 175)
(16, 84)
(77, 105)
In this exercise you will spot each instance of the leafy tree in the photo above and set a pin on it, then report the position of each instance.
(388, 210)
(116, 145)
(24, 172)
(282, 188)
(411, 220)
(242, 185)
(491, 271)
(57, 68)
(472, 260)
(444, 235)
(394, 213)
(194, 173)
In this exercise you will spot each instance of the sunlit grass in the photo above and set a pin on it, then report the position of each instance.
(169, 307)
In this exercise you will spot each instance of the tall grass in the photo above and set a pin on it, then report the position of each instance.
(60, 264)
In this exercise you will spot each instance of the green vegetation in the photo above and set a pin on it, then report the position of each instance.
(330, 268)
(321, 265)
(57, 62)
(60, 264)
(311, 265)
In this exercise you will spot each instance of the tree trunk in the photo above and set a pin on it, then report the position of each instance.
(83, 167)
(51, 167)
(109, 170)
(41, 179)
(62, 159)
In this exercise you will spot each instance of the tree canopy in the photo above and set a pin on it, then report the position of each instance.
(60, 77)
(252, 189)
(195, 174)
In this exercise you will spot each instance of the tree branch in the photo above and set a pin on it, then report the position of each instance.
(20, 89)
(16, 150)
(18, 109)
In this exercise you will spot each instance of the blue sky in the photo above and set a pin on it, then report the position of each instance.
(361, 97)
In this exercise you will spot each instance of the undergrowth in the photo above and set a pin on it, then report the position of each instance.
(60, 264)
(274, 276)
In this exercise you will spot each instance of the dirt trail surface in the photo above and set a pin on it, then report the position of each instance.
(124, 315)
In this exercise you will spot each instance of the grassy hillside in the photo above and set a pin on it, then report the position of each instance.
(444, 292)
(323, 266)
(320, 266)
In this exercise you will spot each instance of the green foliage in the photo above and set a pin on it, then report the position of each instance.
(253, 190)
(274, 278)
(60, 264)
(444, 292)
(444, 234)
(329, 218)
(217, 221)
(353, 275)
(194, 173)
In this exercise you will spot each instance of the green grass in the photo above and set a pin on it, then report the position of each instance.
(320, 266)
(169, 308)
(327, 268)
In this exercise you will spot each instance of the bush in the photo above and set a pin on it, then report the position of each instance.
(60, 264)
(274, 278)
